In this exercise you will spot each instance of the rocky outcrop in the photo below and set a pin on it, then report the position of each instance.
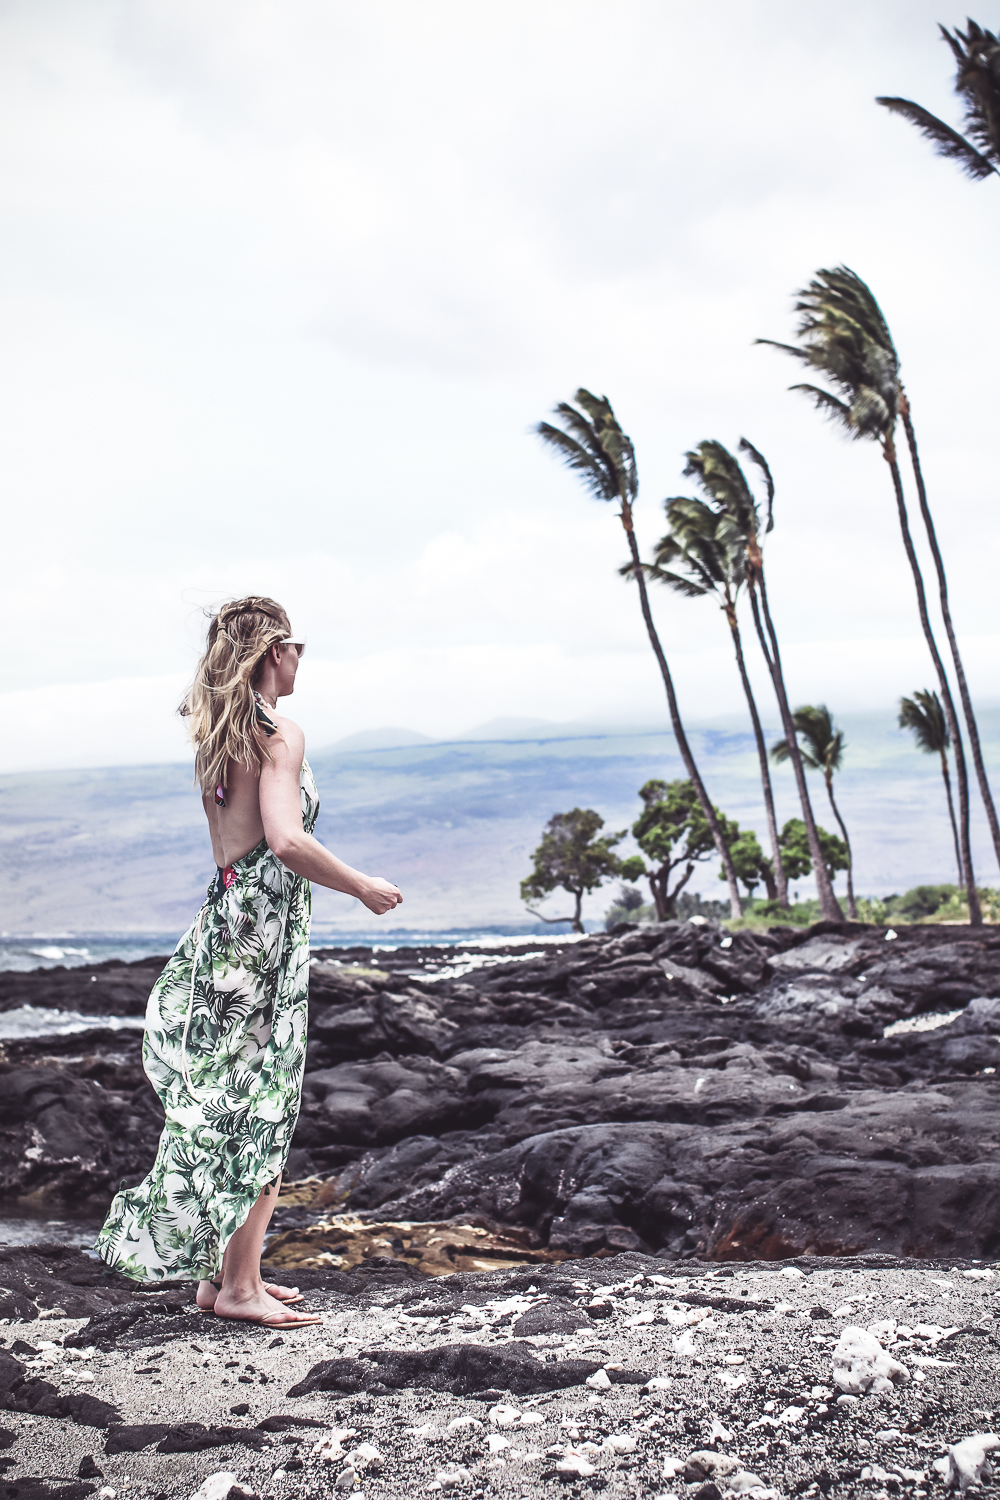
(670, 1089)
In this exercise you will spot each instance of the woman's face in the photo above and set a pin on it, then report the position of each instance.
(286, 660)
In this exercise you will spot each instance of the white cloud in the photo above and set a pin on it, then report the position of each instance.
(285, 288)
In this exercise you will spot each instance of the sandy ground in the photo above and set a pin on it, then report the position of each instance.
(751, 1388)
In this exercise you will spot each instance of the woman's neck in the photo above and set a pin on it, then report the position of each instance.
(261, 694)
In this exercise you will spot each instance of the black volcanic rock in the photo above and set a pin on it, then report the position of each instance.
(670, 1088)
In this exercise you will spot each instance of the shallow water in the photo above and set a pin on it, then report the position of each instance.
(28, 1021)
(23, 1226)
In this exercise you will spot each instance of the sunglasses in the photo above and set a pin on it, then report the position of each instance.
(300, 646)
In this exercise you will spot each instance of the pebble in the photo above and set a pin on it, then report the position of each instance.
(451, 1479)
(461, 1424)
(861, 1364)
(497, 1442)
(215, 1487)
(967, 1463)
(575, 1465)
(504, 1416)
(599, 1381)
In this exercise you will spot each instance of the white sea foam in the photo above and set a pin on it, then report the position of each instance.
(35, 1021)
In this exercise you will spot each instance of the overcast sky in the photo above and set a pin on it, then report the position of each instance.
(286, 284)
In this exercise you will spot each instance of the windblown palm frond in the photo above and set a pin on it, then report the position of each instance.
(924, 715)
(947, 142)
(845, 336)
(823, 746)
(977, 80)
(758, 458)
(592, 442)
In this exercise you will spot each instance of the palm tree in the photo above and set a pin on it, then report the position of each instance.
(977, 80)
(845, 336)
(848, 298)
(709, 546)
(722, 477)
(823, 751)
(924, 715)
(592, 442)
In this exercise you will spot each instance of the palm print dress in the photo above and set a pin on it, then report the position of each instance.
(225, 1050)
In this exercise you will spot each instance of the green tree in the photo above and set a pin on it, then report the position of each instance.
(671, 831)
(708, 546)
(977, 81)
(752, 865)
(798, 855)
(592, 442)
(822, 750)
(573, 858)
(924, 716)
(844, 336)
(722, 477)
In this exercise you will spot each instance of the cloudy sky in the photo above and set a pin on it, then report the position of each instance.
(285, 286)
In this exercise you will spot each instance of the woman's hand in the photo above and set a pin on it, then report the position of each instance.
(379, 896)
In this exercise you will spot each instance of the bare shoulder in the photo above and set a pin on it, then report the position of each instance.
(289, 740)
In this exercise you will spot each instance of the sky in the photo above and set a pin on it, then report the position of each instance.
(284, 288)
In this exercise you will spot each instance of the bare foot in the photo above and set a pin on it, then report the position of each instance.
(258, 1307)
(208, 1292)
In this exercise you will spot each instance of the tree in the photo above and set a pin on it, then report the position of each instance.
(844, 335)
(752, 865)
(924, 715)
(977, 81)
(798, 855)
(671, 831)
(722, 477)
(709, 546)
(571, 857)
(823, 750)
(592, 442)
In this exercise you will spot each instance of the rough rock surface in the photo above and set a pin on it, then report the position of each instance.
(678, 1377)
(669, 1089)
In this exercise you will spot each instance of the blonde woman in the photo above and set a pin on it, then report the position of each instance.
(225, 1040)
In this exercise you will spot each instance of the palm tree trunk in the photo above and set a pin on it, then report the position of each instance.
(963, 687)
(962, 775)
(780, 880)
(951, 812)
(736, 905)
(828, 903)
(852, 910)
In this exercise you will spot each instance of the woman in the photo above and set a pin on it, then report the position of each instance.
(225, 1040)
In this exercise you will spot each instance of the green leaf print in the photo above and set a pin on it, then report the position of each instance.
(239, 979)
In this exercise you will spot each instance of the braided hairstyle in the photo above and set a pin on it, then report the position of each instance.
(220, 706)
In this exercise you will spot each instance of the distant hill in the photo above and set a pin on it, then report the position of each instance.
(125, 849)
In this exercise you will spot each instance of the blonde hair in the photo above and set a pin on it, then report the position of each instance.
(220, 707)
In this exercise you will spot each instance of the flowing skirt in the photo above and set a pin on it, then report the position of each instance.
(225, 1050)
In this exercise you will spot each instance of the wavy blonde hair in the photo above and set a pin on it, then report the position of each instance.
(219, 705)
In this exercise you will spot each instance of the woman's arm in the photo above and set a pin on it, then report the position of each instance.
(281, 814)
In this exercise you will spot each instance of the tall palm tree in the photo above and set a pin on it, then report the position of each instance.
(924, 715)
(591, 441)
(721, 476)
(977, 81)
(847, 298)
(823, 750)
(709, 547)
(845, 337)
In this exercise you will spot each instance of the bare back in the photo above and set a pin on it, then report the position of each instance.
(253, 805)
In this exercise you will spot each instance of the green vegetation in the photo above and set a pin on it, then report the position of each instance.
(977, 81)
(844, 336)
(822, 750)
(592, 442)
(572, 858)
(713, 548)
(924, 716)
(671, 831)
